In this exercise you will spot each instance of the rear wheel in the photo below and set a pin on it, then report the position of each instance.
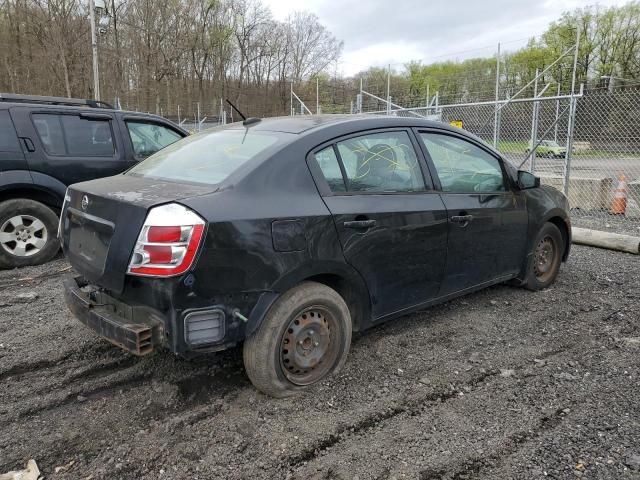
(547, 257)
(304, 337)
(27, 233)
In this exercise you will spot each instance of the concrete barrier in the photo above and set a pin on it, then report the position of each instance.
(585, 193)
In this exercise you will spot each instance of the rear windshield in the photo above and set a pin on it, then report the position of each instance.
(208, 157)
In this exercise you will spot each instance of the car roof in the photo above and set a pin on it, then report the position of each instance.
(300, 124)
(75, 108)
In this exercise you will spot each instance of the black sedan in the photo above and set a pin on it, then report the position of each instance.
(288, 234)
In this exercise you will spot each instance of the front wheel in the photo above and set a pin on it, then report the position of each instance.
(27, 233)
(547, 257)
(304, 338)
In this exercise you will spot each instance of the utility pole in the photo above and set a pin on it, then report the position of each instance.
(94, 50)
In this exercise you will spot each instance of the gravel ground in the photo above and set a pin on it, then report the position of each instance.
(504, 383)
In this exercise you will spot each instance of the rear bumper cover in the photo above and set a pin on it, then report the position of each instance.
(111, 319)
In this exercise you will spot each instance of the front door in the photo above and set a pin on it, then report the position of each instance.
(391, 224)
(487, 220)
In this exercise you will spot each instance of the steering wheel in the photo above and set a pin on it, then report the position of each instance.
(487, 181)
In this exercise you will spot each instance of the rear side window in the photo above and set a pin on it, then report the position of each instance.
(330, 167)
(71, 135)
(8, 137)
(209, 157)
(148, 138)
(381, 162)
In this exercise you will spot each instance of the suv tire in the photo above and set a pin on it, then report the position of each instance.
(28, 232)
(304, 337)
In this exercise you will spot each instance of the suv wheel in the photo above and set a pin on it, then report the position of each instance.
(304, 337)
(27, 233)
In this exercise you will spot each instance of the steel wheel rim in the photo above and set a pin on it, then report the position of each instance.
(545, 258)
(309, 347)
(23, 235)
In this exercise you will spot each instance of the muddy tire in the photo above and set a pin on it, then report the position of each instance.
(544, 266)
(304, 338)
(28, 233)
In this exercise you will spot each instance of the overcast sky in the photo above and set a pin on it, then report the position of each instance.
(379, 32)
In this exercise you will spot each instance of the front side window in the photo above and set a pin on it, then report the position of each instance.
(463, 167)
(148, 138)
(71, 135)
(381, 162)
(209, 157)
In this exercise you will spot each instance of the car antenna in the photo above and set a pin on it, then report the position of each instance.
(245, 121)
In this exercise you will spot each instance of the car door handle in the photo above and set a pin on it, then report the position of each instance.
(360, 224)
(28, 144)
(462, 219)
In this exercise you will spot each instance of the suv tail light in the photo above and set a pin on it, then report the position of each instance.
(168, 242)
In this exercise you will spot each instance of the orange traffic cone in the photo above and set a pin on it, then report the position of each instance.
(619, 204)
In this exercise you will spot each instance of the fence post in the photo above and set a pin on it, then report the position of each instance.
(496, 131)
(572, 116)
(555, 130)
(567, 161)
(534, 125)
(389, 90)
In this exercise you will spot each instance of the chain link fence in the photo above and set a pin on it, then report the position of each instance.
(586, 145)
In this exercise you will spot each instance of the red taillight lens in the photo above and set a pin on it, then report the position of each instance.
(168, 242)
(164, 234)
(158, 254)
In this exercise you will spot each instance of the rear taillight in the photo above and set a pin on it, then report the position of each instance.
(168, 242)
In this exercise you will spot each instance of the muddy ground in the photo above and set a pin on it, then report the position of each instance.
(504, 383)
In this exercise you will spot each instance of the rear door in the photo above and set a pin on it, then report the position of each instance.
(391, 223)
(487, 219)
(68, 145)
(11, 156)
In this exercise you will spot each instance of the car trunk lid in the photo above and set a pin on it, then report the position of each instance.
(101, 221)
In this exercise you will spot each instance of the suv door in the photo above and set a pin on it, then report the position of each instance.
(487, 219)
(147, 136)
(391, 224)
(70, 146)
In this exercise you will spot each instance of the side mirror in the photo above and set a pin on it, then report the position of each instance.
(527, 180)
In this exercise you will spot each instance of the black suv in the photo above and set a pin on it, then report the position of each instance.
(289, 233)
(48, 143)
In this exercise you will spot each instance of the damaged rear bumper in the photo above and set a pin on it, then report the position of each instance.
(132, 329)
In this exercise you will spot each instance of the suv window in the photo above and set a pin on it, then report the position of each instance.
(381, 162)
(8, 137)
(73, 136)
(463, 167)
(148, 138)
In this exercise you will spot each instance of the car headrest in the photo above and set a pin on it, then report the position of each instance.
(381, 159)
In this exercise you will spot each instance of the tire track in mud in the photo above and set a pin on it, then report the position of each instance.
(473, 468)
(19, 370)
(411, 409)
(97, 392)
